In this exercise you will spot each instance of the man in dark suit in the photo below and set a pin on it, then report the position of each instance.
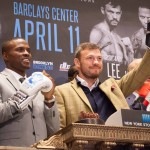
(23, 126)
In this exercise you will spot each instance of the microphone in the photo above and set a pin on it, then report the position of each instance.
(147, 102)
(147, 99)
(148, 35)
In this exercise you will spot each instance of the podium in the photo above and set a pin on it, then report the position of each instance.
(80, 136)
(130, 118)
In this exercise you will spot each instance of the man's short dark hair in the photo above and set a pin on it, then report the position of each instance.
(114, 3)
(143, 4)
(85, 45)
(7, 44)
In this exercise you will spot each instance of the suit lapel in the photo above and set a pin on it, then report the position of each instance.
(81, 94)
(14, 83)
(11, 79)
(113, 92)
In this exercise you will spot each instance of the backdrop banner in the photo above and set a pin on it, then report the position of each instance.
(54, 28)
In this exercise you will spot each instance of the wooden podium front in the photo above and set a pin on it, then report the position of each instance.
(96, 137)
(16, 148)
(19, 148)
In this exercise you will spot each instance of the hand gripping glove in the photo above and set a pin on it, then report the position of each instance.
(35, 83)
(30, 87)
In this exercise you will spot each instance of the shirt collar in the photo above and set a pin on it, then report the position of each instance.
(15, 74)
(84, 83)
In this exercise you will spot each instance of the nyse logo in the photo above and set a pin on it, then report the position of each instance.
(146, 118)
(64, 66)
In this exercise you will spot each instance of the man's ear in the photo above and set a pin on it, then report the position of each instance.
(102, 10)
(5, 56)
(76, 62)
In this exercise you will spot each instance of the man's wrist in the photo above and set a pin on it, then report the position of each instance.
(50, 100)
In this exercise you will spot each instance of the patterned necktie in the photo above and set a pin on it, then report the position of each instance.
(21, 79)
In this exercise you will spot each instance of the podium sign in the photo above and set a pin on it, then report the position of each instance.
(133, 118)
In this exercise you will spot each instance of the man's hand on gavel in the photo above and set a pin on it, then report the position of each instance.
(84, 115)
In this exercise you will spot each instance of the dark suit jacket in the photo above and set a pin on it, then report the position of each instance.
(23, 128)
(72, 100)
